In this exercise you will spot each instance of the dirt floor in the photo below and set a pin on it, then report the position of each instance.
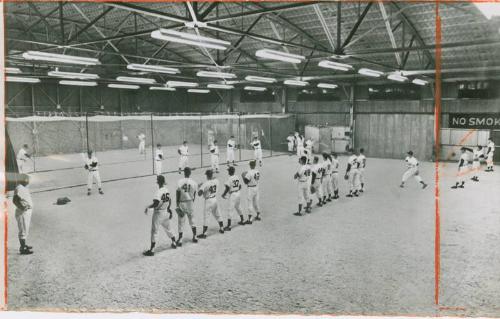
(368, 255)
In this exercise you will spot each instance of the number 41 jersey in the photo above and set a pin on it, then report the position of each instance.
(187, 188)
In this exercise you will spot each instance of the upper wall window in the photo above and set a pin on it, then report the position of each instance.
(318, 95)
(394, 92)
(258, 96)
(476, 90)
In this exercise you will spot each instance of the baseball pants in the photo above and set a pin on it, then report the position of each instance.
(187, 208)
(183, 161)
(290, 147)
(476, 167)
(354, 180)
(90, 179)
(142, 147)
(214, 159)
(304, 193)
(160, 218)
(21, 166)
(411, 172)
(23, 218)
(211, 207)
(318, 189)
(234, 205)
(362, 175)
(230, 155)
(158, 167)
(253, 200)
(462, 171)
(300, 151)
(489, 160)
(258, 155)
(327, 185)
(335, 181)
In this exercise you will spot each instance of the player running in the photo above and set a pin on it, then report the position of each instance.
(462, 168)
(91, 165)
(251, 179)
(142, 143)
(489, 155)
(158, 160)
(161, 215)
(476, 163)
(231, 147)
(303, 176)
(412, 165)
(185, 196)
(362, 165)
(24, 208)
(183, 151)
(233, 187)
(214, 156)
(257, 147)
(352, 174)
(327, 178)
(22, 157)
(317, 180)
(335, 175)
(209, 191)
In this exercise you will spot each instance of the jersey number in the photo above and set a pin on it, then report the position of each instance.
(256, 176)
(236, 183)
(165, 197)
(212, 189)
(186, 188)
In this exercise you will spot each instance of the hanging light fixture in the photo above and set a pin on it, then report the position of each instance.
(73, 75)
(136, 80)
(190, 39)
(153, 68)
(280, 56)
(78, 83)
(210, 74)
(61, 58)
(370, 72)
(252, 78)
(335, 65)
(295, 83)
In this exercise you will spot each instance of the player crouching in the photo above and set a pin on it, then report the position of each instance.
(161, 215)
(251, 179)
(209, 191)
(412, 170)
(302, 176)
(233, 187)
(185, 196)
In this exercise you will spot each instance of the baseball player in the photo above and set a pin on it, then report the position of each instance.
(290, 142)
(303, 176)
(300, 145)
(251, 179)
(233, 187)
(317, 180)
(352, 174)
(412, 170)
(158, 160)
(257, 147)
(214, 156)
(462, 168)
(309, 148)
(184, 199)
(335, 175)
(162, 214)
(142, 143)
(183, 151)
(362, 165)
(327, 178)
(24, 208)
(476, 163)
(209, 191)
(489, 155)
(231, 147)
(91, 165)
(22, 157)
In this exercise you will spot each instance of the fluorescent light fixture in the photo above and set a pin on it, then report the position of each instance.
(162, 88)
(21, 79)
(370, 72)
(397, 77)
(136, 80)
(61, 58)
(489, 9)
(262, 79)
(254, 88)
(295, 82)
(198, 91)
(327, 86)
(334, 65)
(78, 83)
(74, 75)
(340, 56)
(210, 74)
(220, 86)
(123, 86)
(279, 56)
(153, 68)
(181, 84)
(419, 82)
(10, 70)
(190, 39)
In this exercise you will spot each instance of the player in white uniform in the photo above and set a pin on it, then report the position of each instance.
(22, 157)
(162, 214)
(489, 155)
(303, 177)
(335, 175)
(352, 174)
(24, 208)
(91, 165)
(251, 179)
(412, 165)
(209, 191)
(317, 180)
(362, 165)
(158, 160)
(183, 151)
(185, 196)
(462, 168)
(300, 145)
(214, 156)
(233, 187)
(142, 143)
(476, 163)
(291, 143)
(309, 149)
(257, 150)
(231, 147)
(327, 178)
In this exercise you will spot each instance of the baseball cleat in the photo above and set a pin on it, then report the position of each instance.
(348, 195)
(248, 222)
(25, 251)
(88, 193)
(361, 191)
(195, 240)
(454, 187)
(424, 186)
(221, 231)
(402, 186)
(461, 186)
(241, 223)
(101, 192)
(258, 218)
(148, 253)
(178, 244)
(227, 228)
(173, 246)
(297, 214)
(202, 236)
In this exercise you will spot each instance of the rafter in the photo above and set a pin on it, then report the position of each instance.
(389, 31)
(90, 24)
(357, 24)
(323, 23)
(44, 20)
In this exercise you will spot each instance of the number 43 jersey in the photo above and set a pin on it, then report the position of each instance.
(233, 182)
(163, 196)
(187, 188)
(210, 188)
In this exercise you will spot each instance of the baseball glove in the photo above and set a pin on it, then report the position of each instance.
(313, 189)
(243, 177)
(19, 203)
(346, 177)
(179, 212)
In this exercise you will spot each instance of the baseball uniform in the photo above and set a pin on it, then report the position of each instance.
(309, 148)
(327, 178)
(23, 216)
(187, 188)
(184, 155)
(300, 146)
(304, 180)
(412, 169)
(462, 168)
(161, 215)
(317, 171)
(335, 174)
(209, 189)
(253, 177)
(231, 146)
(214, 157)
(91, 164)
(353, 173)
(234, 185)
(257, 147)
(158, 161)
(489, 155)
(290, 142)
(362, 165)
(142, 143)
(22, 158)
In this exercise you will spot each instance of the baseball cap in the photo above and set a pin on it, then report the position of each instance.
(231, 169)
(409, 152)
(209, 172)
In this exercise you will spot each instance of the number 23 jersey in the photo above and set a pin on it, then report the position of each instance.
(163, 196)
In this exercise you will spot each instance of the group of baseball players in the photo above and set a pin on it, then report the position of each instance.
(470, 162)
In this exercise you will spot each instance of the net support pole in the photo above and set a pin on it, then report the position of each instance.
(270, 134)
(239, 136)
(35, 130)
(87, 129)
(152, 143)
(201, 141)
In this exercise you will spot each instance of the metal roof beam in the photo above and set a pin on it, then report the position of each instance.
(207, 11)
(44, 20)
(357, 24)
(90, 24)
(237, 44)
(389, 32)
(322, 21)
(146, 11)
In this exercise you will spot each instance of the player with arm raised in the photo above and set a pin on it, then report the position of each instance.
(303, 177)
(251, 179)
(462, 168)
(335, 175)
(24, 208)
(162, 214)
(257, 149)
(327, 178)
(489, 155)
(214, 156)
(233, 187)
(476, 163)
(183, 151)
(158, 160)
(362, 165)
(185, 196)
(22, 157)
(209, 191)
(91, 165)
(230, 149)
(412, 170)
(317, 180)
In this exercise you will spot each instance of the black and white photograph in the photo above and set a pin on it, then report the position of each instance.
(251, 158)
